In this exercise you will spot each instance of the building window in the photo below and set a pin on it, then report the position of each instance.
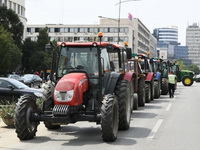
(68, 39)
(5, 3)
(18, 9)
(14, 7)
(28, 29)
(71, 30)
(37, 30)
(76, 38)
(51, 30)
(56, 30)
(62, 30)
(32, 30)
(10, 4)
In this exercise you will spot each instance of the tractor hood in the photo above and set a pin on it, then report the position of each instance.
(70, 89)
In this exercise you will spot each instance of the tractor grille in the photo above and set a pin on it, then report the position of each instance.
(61, 110)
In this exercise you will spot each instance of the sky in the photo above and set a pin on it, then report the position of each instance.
(152, 13)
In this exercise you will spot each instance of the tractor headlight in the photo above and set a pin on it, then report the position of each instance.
(69, 95)
(57, 95)
(63, 96)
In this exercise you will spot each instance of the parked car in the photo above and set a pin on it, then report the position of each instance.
(16, 77)
(197, 78)
(32, 80)
(11, 89)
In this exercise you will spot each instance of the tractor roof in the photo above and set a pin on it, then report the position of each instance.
(104, 44)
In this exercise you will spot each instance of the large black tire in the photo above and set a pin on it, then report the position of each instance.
(48, 103)
(141, 92)
(135, 104)
(157, 89)
(26, 128)
(147, 92)
(109, 118)
(132, 95)
(187, 81)
(152, 90)
(164, 86)
(123, 94)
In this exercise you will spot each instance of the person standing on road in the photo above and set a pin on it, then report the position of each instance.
(172, 84)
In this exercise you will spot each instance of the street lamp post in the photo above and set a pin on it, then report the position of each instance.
(118, 20)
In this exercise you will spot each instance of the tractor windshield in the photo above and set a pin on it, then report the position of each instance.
(78, 58)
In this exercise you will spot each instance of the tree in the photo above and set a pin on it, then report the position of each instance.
(9, 52)
(11, 22)
(180, 64)
(39, 59)
(28, 48)
(194, 68)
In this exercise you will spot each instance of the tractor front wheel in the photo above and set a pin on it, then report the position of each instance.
(148, 92)
(48, 103)
(109, 118)
(157, 89)
(187, 81)
(123, 94)
(141, 92)
(25, 125)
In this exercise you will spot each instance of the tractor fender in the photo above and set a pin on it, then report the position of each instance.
(157, 76)
(149, 76)
(128, 76)
(72, 85)
(111, 82)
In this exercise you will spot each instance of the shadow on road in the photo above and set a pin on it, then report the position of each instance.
(143, 115)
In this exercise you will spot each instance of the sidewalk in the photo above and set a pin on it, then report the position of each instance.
(4, 127)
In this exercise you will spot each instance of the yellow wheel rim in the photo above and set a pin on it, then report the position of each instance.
(188, 81)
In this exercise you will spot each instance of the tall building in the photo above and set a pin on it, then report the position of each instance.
(19, 7)
(134, 32)
(167, 40)
(193, 43)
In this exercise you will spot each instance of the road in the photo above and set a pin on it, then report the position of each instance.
(163, 124)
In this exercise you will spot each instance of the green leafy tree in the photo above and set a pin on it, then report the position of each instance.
(194, 68)
(11, 22)
(180, 64)
(9, 52)
(29, 47)
(39, 59)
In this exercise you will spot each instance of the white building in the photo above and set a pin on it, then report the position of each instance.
(19, 7)
(133, 32)
(193, 43)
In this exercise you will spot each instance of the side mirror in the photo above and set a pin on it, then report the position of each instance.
(129, 54)
(11, 87)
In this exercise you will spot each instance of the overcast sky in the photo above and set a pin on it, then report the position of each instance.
(153, 13)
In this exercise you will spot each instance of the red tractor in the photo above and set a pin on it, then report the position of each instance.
(139, 82)
(85, 85)
(149, 80)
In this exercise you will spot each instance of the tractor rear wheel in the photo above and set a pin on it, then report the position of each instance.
(123, 94)
(26, 127)
(164, 86)
(109, 118)
(141, 92)
(187, 81)
(147, 92)
(132, 95)
(135, 103)
(157, 89)
(48, 103)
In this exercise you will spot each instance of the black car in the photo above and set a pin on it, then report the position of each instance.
(11, 89)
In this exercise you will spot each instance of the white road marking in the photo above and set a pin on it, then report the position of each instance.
(155, 129)
(168, 107)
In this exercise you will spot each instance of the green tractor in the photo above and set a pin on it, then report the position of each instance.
(184, 76)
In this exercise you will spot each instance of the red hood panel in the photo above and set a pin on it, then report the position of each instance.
(73, 81)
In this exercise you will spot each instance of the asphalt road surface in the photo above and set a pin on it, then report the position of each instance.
(163, 124)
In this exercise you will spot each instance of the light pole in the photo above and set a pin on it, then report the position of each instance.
(118, 20)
